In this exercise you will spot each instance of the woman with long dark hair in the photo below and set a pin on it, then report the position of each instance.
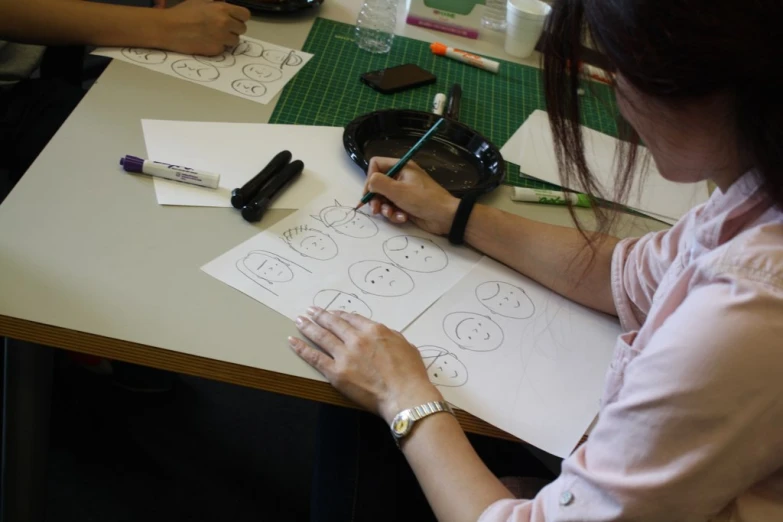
(691, 423)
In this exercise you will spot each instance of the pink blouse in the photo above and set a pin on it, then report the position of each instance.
(691, 423)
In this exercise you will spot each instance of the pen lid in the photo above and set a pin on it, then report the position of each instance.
(248, 192)
(438, 48)
(255, 209)
(132, 164)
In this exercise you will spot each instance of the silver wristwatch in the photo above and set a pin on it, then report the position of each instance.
(403, 422)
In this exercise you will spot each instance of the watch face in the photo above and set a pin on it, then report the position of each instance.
(401, 424)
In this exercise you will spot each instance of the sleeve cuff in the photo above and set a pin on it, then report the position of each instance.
(622, 303)
(502, 510)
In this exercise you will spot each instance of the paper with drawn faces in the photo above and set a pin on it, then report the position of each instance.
(253, 70)
(329, 255)
(517, 355)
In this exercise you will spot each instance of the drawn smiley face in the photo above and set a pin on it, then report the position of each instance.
(194, 70)
(310, 242)
(415, 253)
(148, 56)
(225, 59)
(473, 332)
(380, 278)
(335, 300)
(249, 87)
(443, 367)
(355, 224)
(347, 221)
(505, 299)
(282, 58)
(268, 267)
(248, 49)
(261, 72)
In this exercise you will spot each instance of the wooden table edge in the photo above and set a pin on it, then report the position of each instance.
(303, 388)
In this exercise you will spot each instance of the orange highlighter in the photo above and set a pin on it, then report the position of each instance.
(465, 57)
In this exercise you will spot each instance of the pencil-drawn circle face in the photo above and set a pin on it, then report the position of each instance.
(335, 300)
(249, 87)
(147, 56)
(248, 49)
(278, 57)
(225, 59)
(415, 254)
(473, 331)
(194, 70)
(267, 267)
(261, 72)
(443, 367)
(311, 243)
(505, 299)
(348, 221)
(380, 278)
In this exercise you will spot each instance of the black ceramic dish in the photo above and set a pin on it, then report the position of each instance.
(457, 157)
(272, 7)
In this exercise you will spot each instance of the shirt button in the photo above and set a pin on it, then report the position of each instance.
(566, 497)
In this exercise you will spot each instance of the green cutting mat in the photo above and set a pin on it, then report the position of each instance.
(327, 91)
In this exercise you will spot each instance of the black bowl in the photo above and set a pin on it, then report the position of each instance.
(267, 7)
(460, 159)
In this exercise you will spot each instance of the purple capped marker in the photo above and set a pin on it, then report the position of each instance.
(172, 172)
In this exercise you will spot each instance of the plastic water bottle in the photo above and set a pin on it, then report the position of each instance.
(494, 15)
(375, 25)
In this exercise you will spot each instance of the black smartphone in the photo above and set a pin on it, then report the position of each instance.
(398, 79)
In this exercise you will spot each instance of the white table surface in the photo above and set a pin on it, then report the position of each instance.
(85, 248)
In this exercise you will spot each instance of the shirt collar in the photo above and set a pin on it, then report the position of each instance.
(726, 214)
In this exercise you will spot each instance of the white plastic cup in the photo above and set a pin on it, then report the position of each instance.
(524, 24)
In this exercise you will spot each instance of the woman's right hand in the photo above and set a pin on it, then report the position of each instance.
(412, 194)
(203, 27)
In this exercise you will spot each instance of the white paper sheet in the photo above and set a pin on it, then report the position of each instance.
(532, 148)
(329, 255)
(253, 70)
(517, 355)
(238, 151)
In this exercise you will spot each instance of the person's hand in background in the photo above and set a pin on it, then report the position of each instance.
(412, 194)
(191, 27)
(203, 26)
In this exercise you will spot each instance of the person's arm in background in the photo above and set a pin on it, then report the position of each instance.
(192, 27)
(554, 256)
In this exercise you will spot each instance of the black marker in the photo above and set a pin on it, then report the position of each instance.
(253, 211)
(241, 196)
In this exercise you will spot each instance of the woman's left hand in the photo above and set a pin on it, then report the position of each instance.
(369, 363)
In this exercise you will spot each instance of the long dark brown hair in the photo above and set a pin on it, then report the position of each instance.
(673, 51)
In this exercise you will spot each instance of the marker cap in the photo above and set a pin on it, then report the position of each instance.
(241, 196)
(253, 211)
(132, 164)
(438, 48)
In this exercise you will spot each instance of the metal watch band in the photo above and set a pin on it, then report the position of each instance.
(410, 416)
(419, 412)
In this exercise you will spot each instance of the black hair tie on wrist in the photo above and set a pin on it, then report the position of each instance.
(457, 232)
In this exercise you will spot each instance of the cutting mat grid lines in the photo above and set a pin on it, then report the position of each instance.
(328, 92)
